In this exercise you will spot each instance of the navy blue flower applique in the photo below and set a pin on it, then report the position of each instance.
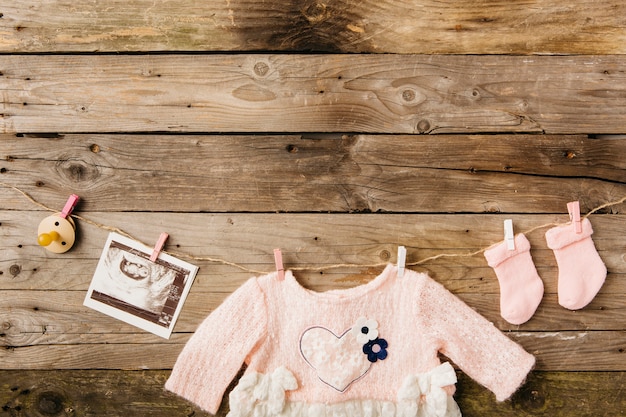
(366, 332)
(376, 349)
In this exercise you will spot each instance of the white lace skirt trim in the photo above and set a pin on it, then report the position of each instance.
(421, 395)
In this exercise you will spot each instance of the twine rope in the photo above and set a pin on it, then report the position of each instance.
(307, 268)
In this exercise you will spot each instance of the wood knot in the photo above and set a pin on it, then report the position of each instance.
(315, 12)
(50, 403)
(15, 270)
(385, 255)
(532, 399)
(491, 207)
(408, 95)
(423, 126)
(261, 69)
(78, 171)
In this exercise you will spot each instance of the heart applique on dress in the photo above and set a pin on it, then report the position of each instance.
(338, 360)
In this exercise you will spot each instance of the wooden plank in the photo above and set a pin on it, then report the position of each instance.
(90, 393)
(32, 318)
(425, 173)
(555, 351)
(115, 393)
(313, 93)
(421, 27)
(555, 394)
(132, 356)
(308, 240)
(36, 272)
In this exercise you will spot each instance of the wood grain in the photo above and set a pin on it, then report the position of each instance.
(558, 394)
(388, 26)
(59, 318)
(421, 123)
(111, 393)
(555, 351)
(90, 393)
(307, 240)
(313, 93)
(46, 326)
(304, 173)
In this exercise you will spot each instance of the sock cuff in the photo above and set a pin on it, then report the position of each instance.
(500, 252)
(561, 236)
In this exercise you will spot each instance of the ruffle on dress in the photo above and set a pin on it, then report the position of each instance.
(421, 395)
(259, 395)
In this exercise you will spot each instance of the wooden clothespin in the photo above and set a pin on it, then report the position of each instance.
(401, 261)
(158, 247)
(278, 261)
(509, 236)
(574, 214)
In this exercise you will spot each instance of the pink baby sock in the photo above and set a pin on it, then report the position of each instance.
(521, 288)
(581, 271)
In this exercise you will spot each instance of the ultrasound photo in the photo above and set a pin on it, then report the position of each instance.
(127, 285)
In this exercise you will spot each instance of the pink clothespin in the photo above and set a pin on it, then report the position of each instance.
(574, 214)
(278, 261)
(159, 246)
(509, 236)
(69, 206)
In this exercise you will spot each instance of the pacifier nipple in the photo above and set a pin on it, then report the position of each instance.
(45, 239)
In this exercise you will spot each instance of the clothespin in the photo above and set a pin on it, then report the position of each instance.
(401, 260)
(509, 236)
(278, 261)
(69, 206)
(159, 246)
(574, 214)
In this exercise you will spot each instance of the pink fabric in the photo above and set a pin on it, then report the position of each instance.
(581, 270)
(266, 321)
(214, 355)
(521, 288)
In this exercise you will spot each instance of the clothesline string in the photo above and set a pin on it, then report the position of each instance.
(308, 268)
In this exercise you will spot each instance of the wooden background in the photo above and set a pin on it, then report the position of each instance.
(333, 129)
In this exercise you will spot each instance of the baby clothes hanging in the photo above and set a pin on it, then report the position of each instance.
(369, 351)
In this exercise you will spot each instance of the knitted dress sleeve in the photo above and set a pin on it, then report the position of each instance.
(215, 353)
(473, 343)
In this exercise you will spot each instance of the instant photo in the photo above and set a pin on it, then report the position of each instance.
(127, 285)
